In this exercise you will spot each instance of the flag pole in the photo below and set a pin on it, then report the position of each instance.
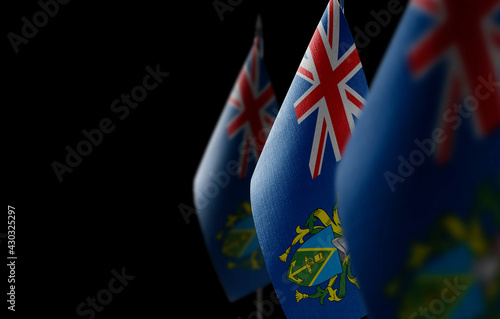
(258, 35)
(258, 303)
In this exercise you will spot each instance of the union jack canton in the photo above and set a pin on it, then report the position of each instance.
(328, 65)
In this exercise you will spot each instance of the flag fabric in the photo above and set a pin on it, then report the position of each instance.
(419, 186)
(292, 191)
(222, 182)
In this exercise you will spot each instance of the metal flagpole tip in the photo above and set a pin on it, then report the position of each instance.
(258, 26)
(259, 35)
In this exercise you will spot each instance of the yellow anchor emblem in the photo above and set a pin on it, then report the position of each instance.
(308, 262)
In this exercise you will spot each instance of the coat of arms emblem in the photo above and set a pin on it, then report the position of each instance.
(322, 257)
(239, 240)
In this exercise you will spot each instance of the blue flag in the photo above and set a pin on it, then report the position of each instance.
(292, 193)
(222, 182)
(419, 186)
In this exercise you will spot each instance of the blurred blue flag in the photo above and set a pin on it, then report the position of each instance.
(222, 182)
(419, 186)
(292, 191)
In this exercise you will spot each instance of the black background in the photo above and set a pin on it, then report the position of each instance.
(120, 206)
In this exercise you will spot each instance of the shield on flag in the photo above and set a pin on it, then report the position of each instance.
(316, 261)
(241, 240)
